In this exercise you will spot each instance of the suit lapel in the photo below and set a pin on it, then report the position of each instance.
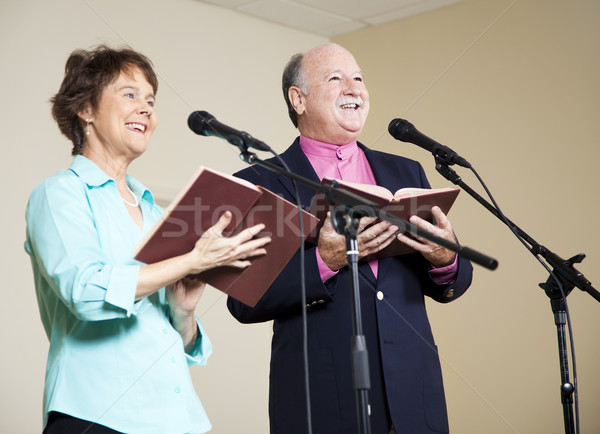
(385, 176)
(298, 163)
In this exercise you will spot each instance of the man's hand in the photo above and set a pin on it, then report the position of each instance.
(437, 256)
(371, 238)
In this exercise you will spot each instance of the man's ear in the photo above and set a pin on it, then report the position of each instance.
(296, 97)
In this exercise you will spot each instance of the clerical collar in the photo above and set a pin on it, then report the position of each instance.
(322, 149)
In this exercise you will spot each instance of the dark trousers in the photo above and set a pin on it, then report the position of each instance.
(60, 423)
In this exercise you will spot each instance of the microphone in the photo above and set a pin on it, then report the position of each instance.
(403, 130)
(205, 124)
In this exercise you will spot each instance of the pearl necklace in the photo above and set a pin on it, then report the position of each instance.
(134, 204)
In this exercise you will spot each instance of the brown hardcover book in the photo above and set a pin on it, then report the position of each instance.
(401, 204)
(198, 207)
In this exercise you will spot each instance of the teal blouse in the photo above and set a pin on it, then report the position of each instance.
(112, 360)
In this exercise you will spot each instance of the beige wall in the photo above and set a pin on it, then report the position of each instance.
(513, 87)
(528, 88)
(207, 58)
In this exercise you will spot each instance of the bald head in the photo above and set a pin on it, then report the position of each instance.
(326, 94)
(316, 54)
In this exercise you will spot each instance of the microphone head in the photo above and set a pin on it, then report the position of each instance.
(199, 121)
(401, 129)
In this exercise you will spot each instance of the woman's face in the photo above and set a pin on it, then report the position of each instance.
(124, 119)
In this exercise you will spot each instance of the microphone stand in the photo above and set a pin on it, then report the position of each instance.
(345, 222)
(561, 281)
(350, 208)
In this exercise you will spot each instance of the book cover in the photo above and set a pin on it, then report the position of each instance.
(198, 207)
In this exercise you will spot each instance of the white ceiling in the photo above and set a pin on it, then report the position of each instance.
(331, 17)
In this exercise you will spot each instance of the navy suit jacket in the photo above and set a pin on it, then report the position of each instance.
(406, 379)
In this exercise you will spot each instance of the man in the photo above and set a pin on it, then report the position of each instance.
(328, 102)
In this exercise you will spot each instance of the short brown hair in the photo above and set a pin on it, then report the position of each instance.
(293, 75)
(87, 73)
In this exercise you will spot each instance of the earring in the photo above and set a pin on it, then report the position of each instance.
(87, 127)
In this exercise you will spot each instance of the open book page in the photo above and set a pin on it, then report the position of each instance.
(365, 190)
(413, 192)
(402, 204)
(382, 192)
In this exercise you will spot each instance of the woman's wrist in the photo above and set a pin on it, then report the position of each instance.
(186, 326)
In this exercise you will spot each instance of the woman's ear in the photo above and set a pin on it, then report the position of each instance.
(86, 114)
(85, 119)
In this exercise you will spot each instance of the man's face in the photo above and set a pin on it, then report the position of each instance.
(336, 106)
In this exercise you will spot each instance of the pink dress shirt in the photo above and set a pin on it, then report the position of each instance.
(349, 163)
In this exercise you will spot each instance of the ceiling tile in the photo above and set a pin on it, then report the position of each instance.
(357, 9)
(227, 3)
(341, 28)
(406, 11)
(331, 17)
(293, 15)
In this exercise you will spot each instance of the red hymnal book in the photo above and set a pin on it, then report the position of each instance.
(199, 205)
(401, 204)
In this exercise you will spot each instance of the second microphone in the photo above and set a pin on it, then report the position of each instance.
(205, 124)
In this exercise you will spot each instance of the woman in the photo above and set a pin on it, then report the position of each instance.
(122, 334)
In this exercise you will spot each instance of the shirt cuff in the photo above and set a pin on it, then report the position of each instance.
(444, 275)
(325, 272)
(121, 286)
(202, 349)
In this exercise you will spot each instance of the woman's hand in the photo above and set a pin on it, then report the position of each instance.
(211, 250)
(183, 297)
(215, 250)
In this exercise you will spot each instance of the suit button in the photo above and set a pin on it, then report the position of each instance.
(315, 302)
(450, 293)
(379, 295)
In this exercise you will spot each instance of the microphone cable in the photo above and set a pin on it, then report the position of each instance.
(558, 283)
(303, 295)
